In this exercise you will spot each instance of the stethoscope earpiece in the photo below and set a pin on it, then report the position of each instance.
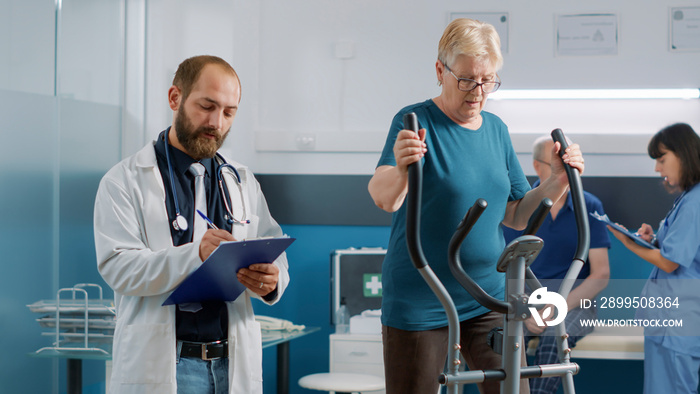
(229, 213)
(230, 220)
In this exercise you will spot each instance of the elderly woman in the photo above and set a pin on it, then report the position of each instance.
(466, 154)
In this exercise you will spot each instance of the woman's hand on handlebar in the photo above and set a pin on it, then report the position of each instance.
(572, 156)
(389, 185)
(409, 148)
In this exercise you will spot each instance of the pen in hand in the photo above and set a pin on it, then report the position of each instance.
(206, 219)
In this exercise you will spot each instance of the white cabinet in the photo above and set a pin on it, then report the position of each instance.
(357, 353)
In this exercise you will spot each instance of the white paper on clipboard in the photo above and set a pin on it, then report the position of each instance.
(634, 236)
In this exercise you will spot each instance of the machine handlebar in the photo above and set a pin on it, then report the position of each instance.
(577, 197)
(413, 202)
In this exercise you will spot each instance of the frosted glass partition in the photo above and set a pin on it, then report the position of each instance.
(61, 97)
(53, 154)
(90, 50)
(27, 45)
(89, 145)
(28, 157)
(50, 167)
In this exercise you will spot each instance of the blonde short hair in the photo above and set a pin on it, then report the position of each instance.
(470, 37)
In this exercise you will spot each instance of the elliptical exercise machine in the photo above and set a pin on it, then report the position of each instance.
(514, 261)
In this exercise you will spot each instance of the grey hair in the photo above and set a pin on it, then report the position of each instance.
(538, 147)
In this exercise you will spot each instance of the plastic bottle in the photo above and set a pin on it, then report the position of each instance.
(342, 319)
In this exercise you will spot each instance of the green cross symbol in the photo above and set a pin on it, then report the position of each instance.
(372, 285)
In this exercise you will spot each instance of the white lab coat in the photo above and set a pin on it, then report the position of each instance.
(137, 259)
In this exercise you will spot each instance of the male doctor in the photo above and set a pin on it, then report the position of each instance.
(145, 250)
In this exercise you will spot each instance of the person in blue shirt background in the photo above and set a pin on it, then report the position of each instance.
(558, 231)
(672, 352)
(467, 154)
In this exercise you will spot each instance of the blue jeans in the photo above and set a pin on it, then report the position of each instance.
(197, 376)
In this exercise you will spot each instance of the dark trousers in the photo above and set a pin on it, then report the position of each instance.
(413, 360)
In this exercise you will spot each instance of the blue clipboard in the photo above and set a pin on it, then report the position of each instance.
(215, 279)
(635, 237)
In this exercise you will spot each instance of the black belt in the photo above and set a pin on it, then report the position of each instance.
(204, 350)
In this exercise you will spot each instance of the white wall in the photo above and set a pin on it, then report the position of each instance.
(176, 30)
(307, 110)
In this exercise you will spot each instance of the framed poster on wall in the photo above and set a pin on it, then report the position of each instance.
(684, 29)
(586, 35)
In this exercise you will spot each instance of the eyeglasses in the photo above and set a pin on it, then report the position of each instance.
(544, 162)
(467, 85)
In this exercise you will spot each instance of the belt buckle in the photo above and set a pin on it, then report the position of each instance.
(205, 356)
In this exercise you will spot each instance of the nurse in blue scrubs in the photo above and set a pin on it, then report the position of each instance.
(670, 296)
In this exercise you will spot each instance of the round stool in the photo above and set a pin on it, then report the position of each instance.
(342, 382)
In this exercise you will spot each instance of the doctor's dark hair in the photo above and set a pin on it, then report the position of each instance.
(188, 72)
(684, 142)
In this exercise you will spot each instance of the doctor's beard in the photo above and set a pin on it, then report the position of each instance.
(195, 144)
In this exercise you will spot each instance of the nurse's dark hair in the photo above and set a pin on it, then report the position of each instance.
(684, 142)
(188, 72)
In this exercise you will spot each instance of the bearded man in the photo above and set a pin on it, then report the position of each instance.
(149, 238)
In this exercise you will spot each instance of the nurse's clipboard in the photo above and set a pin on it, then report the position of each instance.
(215, 279)
(635, 237)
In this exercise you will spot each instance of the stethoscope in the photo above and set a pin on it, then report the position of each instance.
(180, 223)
